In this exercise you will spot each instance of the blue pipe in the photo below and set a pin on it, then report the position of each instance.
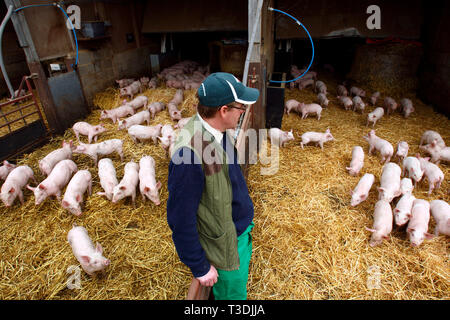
(64, 12)
(312, 44)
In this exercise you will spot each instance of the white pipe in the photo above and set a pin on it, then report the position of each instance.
(252, 40)
(247, 59)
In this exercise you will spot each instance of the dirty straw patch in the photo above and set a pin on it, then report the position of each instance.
(308, 242)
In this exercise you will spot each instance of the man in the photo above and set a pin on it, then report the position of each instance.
(209, 209)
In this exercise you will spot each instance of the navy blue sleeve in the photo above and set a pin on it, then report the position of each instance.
(185, 186)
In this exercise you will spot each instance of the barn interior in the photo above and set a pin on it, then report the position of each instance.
(309, 243)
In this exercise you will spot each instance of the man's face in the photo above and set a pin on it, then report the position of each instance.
(233, 114)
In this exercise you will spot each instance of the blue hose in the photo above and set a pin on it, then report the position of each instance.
(64, 12)
(312, 44)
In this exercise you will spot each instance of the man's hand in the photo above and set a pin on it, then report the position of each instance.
(209, 279)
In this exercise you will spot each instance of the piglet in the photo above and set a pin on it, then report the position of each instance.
(55, 182)
(346, 102)
(141, 133)
(402, 211)
(279, 137)
(305, 83)
(374, 116)
(411, 166)
(342, 91)
(437, 152)
(382, 224)
(440, 210)
(318, 138)
(357, 161)
(402, 150)
(87, 129)
(47, 164)
(138, 118)
(374, 98)
(178, 97)
(358, 104)
(174, 113)
(390, 105)
(144, 82)
(355, 91)
(108, 178)
(128, 184)
(432, 172)
(156, 107)
(418, 223)
(138, 102)
(406, 186)
(361, 191)
(14, 183)
(124, 82)
(320, 87)
(306, 109)
(147, 182)
(407, 107)
(131, 90)
(80, 182)
(322, 99)
(91, 258)
(101, 149)
(385, 149)
(182, 122)
(5, 169)
(429, 136)
(168, 136)
(290, 105)
(390, 182)
(116, 113)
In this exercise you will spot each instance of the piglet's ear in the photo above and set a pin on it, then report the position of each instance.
(158, 186)
(85, 259)
(429, 235)
(409, 230)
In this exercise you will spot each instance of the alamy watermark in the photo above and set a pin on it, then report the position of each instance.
(74, 280)
(373, 277)
(74, 13)
(209, 153)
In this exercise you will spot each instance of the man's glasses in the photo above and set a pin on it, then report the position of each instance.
(235, 107)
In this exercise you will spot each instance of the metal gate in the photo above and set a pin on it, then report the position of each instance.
(22, 127)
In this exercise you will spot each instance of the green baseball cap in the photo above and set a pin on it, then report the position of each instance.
(222, 88)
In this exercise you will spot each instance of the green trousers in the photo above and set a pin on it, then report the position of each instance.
(232, 285)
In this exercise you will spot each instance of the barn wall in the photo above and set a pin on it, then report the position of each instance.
(435, 70)
(48, 30)
(401, 18)
(125, 53)
(199, 15)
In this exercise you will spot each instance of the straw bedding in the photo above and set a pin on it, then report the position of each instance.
(308, 243)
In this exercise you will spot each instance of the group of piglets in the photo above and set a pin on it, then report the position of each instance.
(415, 212)
(280, 138)
(131, 87)
(134, 174)
(184, 75)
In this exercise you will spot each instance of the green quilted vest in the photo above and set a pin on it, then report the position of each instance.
(217, 232)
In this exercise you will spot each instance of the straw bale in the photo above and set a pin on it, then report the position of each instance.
(308, 243)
